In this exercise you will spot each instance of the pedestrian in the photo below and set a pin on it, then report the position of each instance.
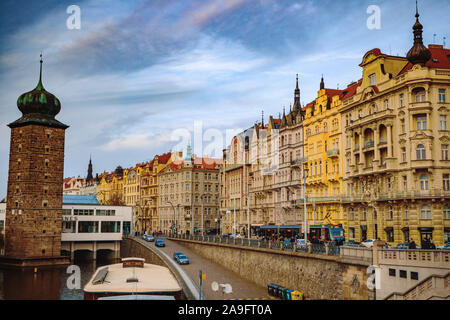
(432, 245)
(386, 245)
(412, 245)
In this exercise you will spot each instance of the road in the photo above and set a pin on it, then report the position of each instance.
(242, 289)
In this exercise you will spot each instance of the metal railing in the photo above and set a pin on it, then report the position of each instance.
(313, 248)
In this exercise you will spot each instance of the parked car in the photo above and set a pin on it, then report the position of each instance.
(401, 246)
(368, 243)
(160, 243)
(182, 259)
(302, 244)
(176, 254)
(150, 238)
(445, 246)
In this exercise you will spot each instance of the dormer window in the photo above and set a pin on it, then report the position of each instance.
(373, 79)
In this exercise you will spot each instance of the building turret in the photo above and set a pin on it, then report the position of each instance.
(418, 54)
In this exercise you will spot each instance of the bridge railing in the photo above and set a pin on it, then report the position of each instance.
(314, 248)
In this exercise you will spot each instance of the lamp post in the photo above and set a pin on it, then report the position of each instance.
(305, 173)
(174, 219)
(203, 200)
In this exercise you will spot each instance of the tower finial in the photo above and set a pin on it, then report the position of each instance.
(322, 83)
(417, 11)
(262, 119)
(40, 86)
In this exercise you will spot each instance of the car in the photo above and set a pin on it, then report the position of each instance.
(350, 244)
(402, 246)
(160, 243)
(176, 254)
(445, 246)
(182, 259)
(368, 243)
(150, 238)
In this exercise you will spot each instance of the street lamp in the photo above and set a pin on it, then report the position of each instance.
(305, 173)
(202, 198)
(174, 219)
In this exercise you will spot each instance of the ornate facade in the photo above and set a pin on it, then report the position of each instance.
(396, 138)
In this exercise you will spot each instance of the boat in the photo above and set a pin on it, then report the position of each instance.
(133, 277)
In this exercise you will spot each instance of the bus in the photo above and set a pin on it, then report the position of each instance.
(326, 232)
(285, 231)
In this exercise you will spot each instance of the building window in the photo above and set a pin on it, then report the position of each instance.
(391, 213)
(402, 125)
(87, 226)
(364, 214)
(403, 154)
(447, 212)
(402, 100)
(391, 272)
(443, 122)
(406, 212)
(373, 79)
(352, 214)
(351, 233)
(441, 95)
(110, 227)
(390, 235)
(405, 183)
(386, 104)
(421, 122)
(446, 182)
(421, 152)
(425, 212)
(424, 182)
(414, 275)
(444, 151)
(403, 274)
(420, 96)
(67, 212)
(388, 183)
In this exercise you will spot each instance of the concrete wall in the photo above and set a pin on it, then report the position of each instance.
(317, 276)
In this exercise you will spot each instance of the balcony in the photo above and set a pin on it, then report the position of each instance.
(334, 153)
(296, 163)
(368, 144)
(422, 164)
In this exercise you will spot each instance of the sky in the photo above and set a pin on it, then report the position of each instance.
(137, 74)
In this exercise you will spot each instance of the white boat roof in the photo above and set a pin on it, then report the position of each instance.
(150, 278)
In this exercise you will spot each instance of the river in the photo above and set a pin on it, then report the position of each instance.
(47, 283)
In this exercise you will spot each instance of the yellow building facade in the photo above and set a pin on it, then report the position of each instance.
(323, 162)
(396, 139)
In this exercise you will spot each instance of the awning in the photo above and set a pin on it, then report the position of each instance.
(404, 229)
(425, 229)
(388, 229)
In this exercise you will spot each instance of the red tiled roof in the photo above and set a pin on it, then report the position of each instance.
(350, 91)
(164, 158)
(333, 92)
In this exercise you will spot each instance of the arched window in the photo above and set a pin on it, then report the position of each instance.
(317, 129)
(325, 127)
(425, 212)
(421, 152)
(424, 182)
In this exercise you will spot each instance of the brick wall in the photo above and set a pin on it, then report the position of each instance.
(35, 182)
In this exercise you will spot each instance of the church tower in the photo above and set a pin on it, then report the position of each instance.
(89, 175)
(35, 181)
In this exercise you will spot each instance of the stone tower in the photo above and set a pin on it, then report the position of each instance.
(35, 181)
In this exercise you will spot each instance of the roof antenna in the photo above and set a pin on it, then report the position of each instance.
(434, 38)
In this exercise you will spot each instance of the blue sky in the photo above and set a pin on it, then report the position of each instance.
(138, 70)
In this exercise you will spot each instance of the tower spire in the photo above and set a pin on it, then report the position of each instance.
(297, 96)
(40, 86)
(418, 54)
(322, 83)
(262, 119)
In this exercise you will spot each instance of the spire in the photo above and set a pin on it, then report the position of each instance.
(262, 119)
(418, 54)
(297, 96)
(89, 175)
(322, 83)
(40, 86)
